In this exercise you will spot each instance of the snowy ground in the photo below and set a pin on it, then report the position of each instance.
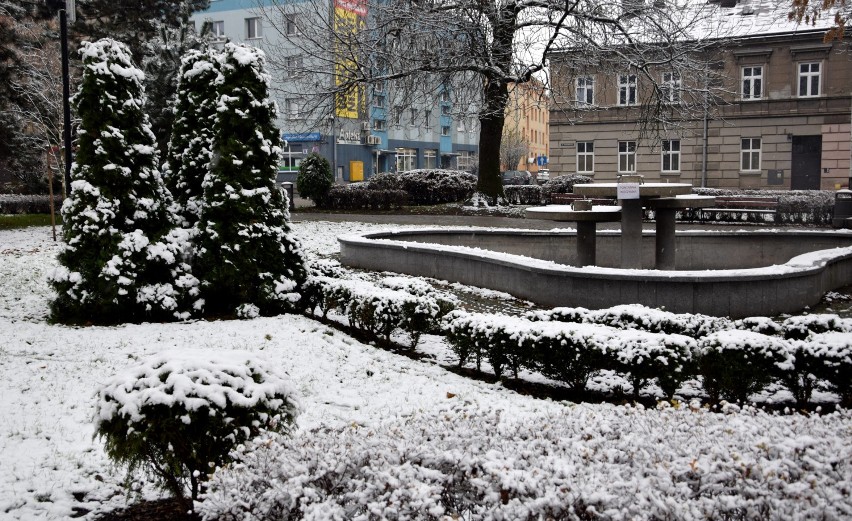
(52, 468)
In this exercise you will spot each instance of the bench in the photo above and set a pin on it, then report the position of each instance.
(764, 206)
(570, 198)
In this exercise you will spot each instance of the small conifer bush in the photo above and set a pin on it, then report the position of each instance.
(314, 179)
(179, 415)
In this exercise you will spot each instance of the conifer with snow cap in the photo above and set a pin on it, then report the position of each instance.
(121, 259)
(245, 254)
(192, 134)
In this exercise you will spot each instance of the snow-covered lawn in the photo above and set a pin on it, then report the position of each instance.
(53, 468)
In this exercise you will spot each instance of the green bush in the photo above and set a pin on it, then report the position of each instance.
(315, 178)
(563, 184)
(427, 187)
(178, 416)
(359, 197)
(737, 364)
(523, 194)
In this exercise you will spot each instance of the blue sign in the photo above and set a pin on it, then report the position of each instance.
(542, 160)
(301, 137)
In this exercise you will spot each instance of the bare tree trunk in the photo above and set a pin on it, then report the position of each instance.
(490, 135)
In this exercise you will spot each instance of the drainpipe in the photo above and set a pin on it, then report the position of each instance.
(705, 138)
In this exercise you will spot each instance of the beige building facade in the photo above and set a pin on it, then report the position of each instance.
(527, 113)
(783, 122)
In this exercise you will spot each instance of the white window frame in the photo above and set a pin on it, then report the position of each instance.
(446, 109)
(749, 154)
(293, 63)
(588, 157)
(412, 117)
(813, 73)
(445, 130)
(627, 157)
(290, 27)
(585, 90)
(430, 158)
(445, 96)
(427, 119)
(670, 149)
(626, 90)
(464, 160)
(379, 125)
(406, 159)
(670, 87)
(460, 125)
(217, 29)
(292, 108)
(379, 100)
(254, 28)
(752, 82)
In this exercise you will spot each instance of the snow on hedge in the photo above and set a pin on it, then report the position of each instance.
(478, 462)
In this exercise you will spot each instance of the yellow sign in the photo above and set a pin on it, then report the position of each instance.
(348, 21)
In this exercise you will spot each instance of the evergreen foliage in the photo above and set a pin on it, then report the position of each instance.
(244, 250)
(190, 146)
(315, 178)
(120, 262)
(179, 417)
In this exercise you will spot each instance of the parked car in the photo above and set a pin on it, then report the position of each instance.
(517, 177)
(542, 176)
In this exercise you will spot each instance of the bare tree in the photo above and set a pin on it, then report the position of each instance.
(513, 148)
(810, 12)
(473, 51)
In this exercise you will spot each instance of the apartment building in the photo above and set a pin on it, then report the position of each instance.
(527, 113)
(783, 120)
(369, 133)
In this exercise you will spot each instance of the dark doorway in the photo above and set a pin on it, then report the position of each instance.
(807, 163)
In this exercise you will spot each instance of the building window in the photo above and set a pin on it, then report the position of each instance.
(750, 153)
(406, 159)
(671, 155)
(291, 108)
(585, 156)
(290, 28)
(293, 64)
(460, 125)
(670, 87)
(397, 115)
(627, 89)
(445, 130)
(430, 159)
(427, 119)
(254, 28)
(471, 126)
(445, 96)
(586, 90)
(379, 124)
(217, 29)
(626, 157)
(465, 160)
(445, 110)
(413, 119)
(378, 101)
(379, 87)
(809, 75)
(752, 82)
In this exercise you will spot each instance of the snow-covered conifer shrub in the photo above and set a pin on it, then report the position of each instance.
(121, 260)
(315, 178)
(802, 326)
(473, 461)
(427, 186)
(244, 250)
(762, 325)
(191, 145)
(179, 415)
(736, 364)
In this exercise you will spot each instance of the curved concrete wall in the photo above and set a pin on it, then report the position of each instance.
(779, 272)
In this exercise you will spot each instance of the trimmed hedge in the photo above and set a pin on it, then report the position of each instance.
(794, 206)
(563, 184)
(427, 187)
(359, 197)
(20, 204)
(523, 194)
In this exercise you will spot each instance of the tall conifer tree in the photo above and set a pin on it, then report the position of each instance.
(190, 147)
(245, 254)
(121, 261)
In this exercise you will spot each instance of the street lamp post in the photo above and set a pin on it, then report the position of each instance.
(64, 6)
